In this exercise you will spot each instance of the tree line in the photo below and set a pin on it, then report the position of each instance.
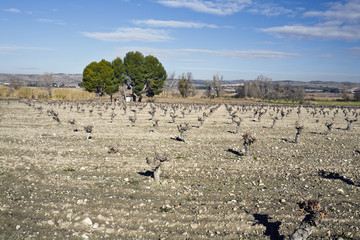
(146, 75)
(262, 88)
(141, 75)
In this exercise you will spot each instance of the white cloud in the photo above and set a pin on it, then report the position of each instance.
(325, 56)
(355, 52)
(349, 33)
(131, 34)
(173, 24)
(216, 7)
(232, 54)
(14, 48)
(12, 10)
(339, 22)
(269, 9)
(53, 21)
(349, 12)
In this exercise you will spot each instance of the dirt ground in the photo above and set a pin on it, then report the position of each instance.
(56, 184)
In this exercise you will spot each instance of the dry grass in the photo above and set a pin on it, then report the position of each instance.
(63, 94)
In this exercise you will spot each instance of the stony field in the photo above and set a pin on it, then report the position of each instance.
(55, 183)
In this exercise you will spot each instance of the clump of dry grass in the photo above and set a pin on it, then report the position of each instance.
(42, 94)
(31, 93)
(4, 92)
(72, 94)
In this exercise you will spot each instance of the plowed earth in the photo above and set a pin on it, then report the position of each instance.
(56, 184)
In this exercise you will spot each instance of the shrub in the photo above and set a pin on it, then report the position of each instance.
(4, 92)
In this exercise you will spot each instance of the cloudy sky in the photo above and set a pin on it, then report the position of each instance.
(240, 39)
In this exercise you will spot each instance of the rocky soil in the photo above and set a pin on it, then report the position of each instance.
(57, 184)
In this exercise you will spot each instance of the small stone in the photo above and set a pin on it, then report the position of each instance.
(50, 222)
(18, 227)
(260, 183)
(87, 221)
(282, 200)
(193, 225)
(110, 230)
(126, 179)
(340, 190)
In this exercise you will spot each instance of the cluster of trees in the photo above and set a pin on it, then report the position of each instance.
(213, 88)
(185, 85)
(141, 75)
(262, 88)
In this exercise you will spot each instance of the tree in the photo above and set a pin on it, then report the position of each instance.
(140, 74)
(243, 91)
(287, 92)
(299, 94)
(156, 164)
(185, 85)
(154, 75)
(217, 84)
(344, 94)
(357, 95)
(133, 62)
(46, 81)
(98, 78)
(263, 86)
(170, 83)
(117, 79)
(215, 87)
(16, 83)
(209, 92)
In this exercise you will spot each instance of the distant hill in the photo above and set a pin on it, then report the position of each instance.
(59, 78)
(75, 79)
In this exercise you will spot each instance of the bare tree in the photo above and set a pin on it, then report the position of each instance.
(152, 112)
(133, 118)
(274, 121)
(156, 163)
(156, 123)
(248, 141)
(201, 120)
(73, 123)
(46, 81)
(350, 122)
(328, 126)
(209, 91)
(170, 84)
(263, 84)
(88, 129)
(182, 128)
(217, 84)
(16, 83)
(112, 116)
(237, 121)
(357, 94)
(173, 117)
(299, 129)
(54, 116)
(314, 213)
(343, 90)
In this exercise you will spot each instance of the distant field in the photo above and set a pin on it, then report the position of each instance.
(336, 103)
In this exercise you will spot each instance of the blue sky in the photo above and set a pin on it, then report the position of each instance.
(239, 39)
